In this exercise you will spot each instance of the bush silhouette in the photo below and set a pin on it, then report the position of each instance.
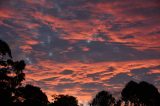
(32, 96)
(64, 100)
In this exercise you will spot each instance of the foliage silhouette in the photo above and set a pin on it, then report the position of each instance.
(144, 94)
(4, 49)
(118, 103)
(11, 75)
(129, 93)
(148, 94)
(64, 100)
(32, 96)
(103, 98)
(12, 92)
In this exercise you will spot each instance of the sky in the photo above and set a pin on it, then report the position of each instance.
(80, 47)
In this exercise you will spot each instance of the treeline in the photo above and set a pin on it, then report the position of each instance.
(133, 94)
(14, 93)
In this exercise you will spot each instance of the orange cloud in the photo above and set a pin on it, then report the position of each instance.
(65, 41)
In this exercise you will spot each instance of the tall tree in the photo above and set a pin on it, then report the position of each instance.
(144, 94)
(103, 98)
(148, 94)
(12, 92)
(129, 93)
(11, 75)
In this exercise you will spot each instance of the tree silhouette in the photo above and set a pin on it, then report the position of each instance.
(118, 103)
(11, 75)
(103, 98)
(148, 94)
(12, 92)
(32, 96)
(144, 94)
(4, 49)
(64, 100)
(129, 93)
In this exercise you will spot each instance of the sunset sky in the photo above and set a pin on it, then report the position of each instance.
(79, 47)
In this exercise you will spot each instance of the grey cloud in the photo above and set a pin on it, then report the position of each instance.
(128, 37)
(151, 11)
(49, 79)
(94, 76)
(66, 80)
(93, 85)
(145, 75)
(61, 87)
(67, 72)
(121, 78)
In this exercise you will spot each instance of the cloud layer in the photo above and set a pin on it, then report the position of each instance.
(80, 47)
